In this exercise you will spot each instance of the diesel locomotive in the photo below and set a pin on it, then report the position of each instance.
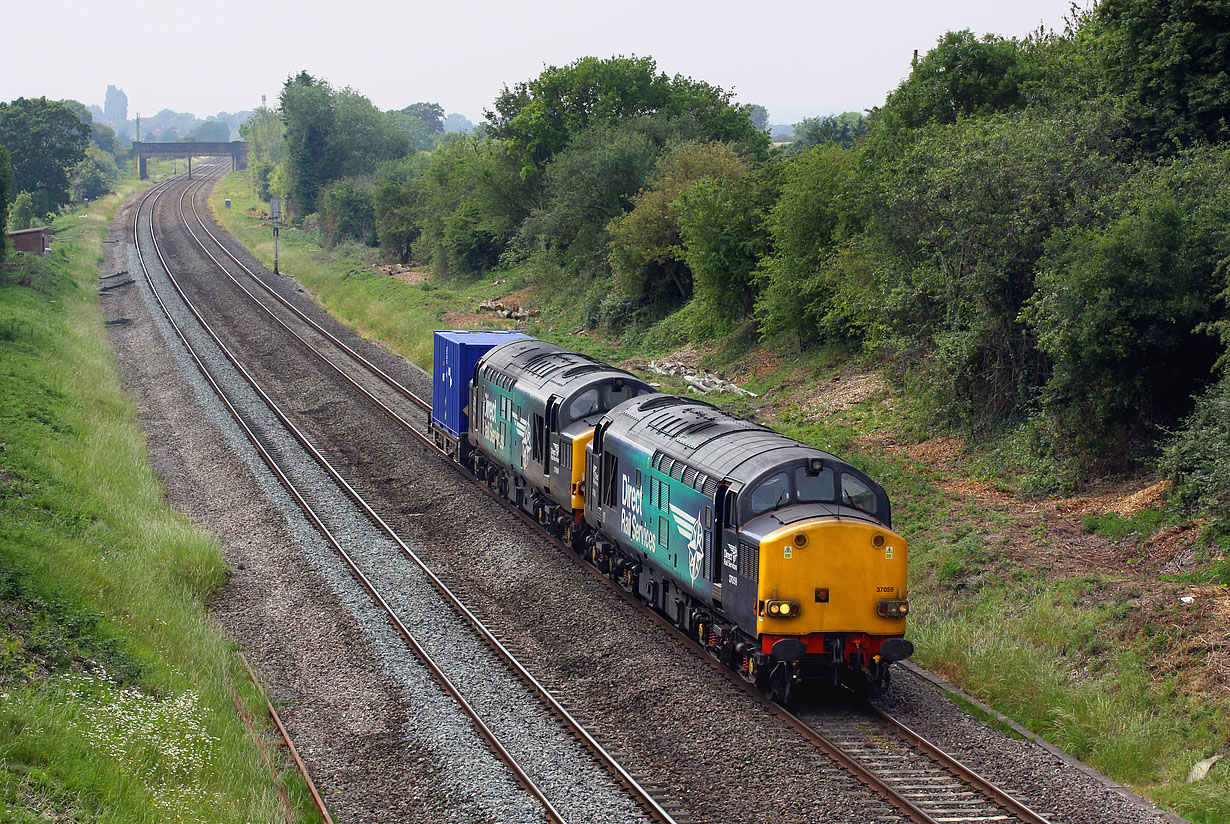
(778, 557)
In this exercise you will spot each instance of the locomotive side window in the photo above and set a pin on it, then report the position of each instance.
(583, 405)
(855, 493)
(813, 488)
(771, 493)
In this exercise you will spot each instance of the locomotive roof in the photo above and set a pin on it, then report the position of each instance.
(548, 369)
(710, 440)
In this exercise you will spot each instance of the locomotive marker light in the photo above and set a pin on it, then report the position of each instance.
(893, 609)
(783, 609)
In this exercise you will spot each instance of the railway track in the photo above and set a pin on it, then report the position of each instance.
(918, 779)
(645, 803)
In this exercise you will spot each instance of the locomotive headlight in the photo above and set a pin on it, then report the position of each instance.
(783, 609)
(893, 609)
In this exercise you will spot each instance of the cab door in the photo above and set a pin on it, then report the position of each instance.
(738, 561)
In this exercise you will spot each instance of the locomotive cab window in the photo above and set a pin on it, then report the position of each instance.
(857, 494)
(583, 405)
(813, 487)
(615, 394)
(771, 494)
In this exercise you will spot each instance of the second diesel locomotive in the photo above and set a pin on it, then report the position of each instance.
(778, 557)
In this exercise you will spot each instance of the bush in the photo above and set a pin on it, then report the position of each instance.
(1118, 306)
(1197, 458)
(796, 297)
(347, 213)
(21, 212)
(95, 175)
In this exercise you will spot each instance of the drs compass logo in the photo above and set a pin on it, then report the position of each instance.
(689, 527)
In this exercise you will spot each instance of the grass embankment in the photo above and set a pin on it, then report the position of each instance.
(115, 689)
(1073, 632)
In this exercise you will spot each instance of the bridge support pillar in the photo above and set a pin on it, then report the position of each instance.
(142, 174)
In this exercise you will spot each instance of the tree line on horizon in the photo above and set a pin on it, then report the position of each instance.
(1032, 231)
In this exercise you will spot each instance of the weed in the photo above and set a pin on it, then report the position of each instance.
(1117, 528)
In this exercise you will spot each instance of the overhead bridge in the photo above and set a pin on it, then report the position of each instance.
(237, 150)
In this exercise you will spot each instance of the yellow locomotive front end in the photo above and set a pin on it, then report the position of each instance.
(832, 596)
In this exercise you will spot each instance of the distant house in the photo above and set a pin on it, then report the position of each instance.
(34, 241)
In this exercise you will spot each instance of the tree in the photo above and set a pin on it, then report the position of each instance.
(396, 202)
(843, 129)
(361, 137)
(307, 113)
(539, 117)
(418, 136)
(469, 201)
(1119, 306)
(721, 224)
(6, 188)
(588, 184)
(101, 135)
(267, 151)
(759, 115)
(45, 140)
(431, 115)
(95, 175)
(332, 135)
(647, 254)
(1170, 59)
(806, 223)
(962, 75)
(1197, 459)
(211, 131)
(347, 212)
(21, 210)
(952, 230)
(457, 123)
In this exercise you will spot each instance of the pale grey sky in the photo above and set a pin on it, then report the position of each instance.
(797, 59)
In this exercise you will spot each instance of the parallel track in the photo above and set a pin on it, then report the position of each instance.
(935, 788)
(641, 797)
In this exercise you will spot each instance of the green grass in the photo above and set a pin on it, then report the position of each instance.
(1062, 656)
(115, 704)
(1117, 528)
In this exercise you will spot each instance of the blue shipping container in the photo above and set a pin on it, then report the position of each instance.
(455, 354)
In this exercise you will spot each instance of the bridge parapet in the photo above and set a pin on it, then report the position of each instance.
(237, 150)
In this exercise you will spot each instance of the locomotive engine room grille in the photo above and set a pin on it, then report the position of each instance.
(708, 573)
(749, 561)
